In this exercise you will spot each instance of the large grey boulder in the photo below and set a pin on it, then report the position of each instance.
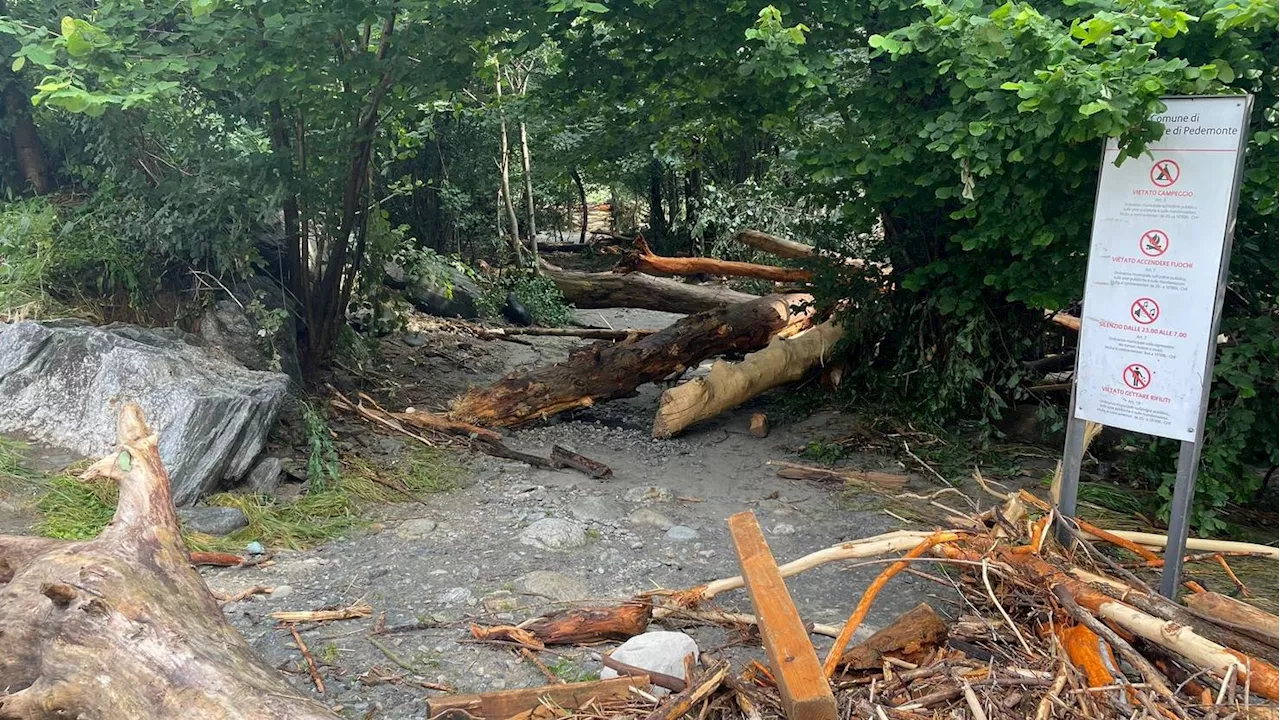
(442, 290)
(63, 383)
(256, 327)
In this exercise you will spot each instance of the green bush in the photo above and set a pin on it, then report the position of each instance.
(536, 292)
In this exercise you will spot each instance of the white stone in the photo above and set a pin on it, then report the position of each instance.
(682, 533)
(660, 651)
(648, 493)
(415, 528)
(553, 585)
(554, 534)
(650, 517)
(456, 596)
(784, 529)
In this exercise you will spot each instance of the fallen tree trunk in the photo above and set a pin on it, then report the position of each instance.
(774, 245)
(605, 371)
(1239, 616)
(728, 385)
(644, 260)
(637, 290)
(121, 626)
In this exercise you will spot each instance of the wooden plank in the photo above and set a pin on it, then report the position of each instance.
(806, 694)
(506, 703)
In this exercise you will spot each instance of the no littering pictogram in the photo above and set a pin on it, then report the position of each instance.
(1154, 243)
(1137, 376)
(1145, 310)
(1165, 173)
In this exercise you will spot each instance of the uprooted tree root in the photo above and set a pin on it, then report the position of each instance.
(122, 626)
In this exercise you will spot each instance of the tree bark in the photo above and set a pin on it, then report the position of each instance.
(504, 181)
(605, 371)
(728, 385)
(645, 261)
(637, 290)
(122, 626)
(27, 148)
(528, 193)
(775, 245)
(582, 198)
(657, 220)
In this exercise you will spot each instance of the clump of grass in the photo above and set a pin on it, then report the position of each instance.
(570, 671)
(73, 509)
(76, 510)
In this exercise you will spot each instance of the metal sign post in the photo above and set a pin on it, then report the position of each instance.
(1158, 261)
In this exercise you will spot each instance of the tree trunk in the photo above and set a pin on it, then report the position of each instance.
(657, 220)
(645, 261)
(605, 371)
(582, 198)
(528, 192)
(779, 246)
(504, 182)
(637, 290)
(785, 360)
(27, 149)
(122, 626)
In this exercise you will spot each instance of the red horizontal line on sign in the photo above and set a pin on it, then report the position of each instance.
(1156, 150)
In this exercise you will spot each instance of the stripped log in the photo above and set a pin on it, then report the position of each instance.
(1238, 616)
(774, 245)
(605, 371)
(644, 260)
(122, 626)
(637, 290)
(728, 385)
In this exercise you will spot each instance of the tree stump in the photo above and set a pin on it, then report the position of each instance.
(122, 626)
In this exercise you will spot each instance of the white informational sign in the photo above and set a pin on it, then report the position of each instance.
(1155, 259)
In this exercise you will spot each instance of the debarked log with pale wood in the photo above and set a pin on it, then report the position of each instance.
(122, 626)
(728, 385)
(638, 290)
(606, 371)
(644, 260)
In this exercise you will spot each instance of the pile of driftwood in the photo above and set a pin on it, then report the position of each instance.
(1046, 631)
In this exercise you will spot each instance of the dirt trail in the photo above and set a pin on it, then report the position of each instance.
(465, 557)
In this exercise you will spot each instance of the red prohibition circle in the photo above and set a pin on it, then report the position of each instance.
(1136, 376)
(1164, 173)
(1154, 243)
(1144, 311)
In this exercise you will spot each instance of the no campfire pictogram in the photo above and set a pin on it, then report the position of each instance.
(1145, 310)
(1137, 376)
(1165, 173)
(1154, 243)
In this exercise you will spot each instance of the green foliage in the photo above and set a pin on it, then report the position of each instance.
(536, 292)
(322, 456)
(27, 231)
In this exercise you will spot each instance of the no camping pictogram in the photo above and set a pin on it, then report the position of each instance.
(1154, 243)
(1164, 173)
(1144, 310)
(1137, 376)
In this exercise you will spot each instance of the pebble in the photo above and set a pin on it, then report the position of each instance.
(648, 493)
(784, 529)
(415, 339)
(416, 528)
(554, 534)
(281, 591)
(553, 585)
(653, 518)
(596, 508)
(682, 533)
(456, 596)
(255, 548)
